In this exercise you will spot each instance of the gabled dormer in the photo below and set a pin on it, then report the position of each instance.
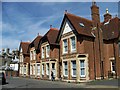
(23, 48)
(33, 47)
(48, 43)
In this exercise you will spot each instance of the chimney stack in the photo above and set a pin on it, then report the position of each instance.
(107, 16)
(95, 13)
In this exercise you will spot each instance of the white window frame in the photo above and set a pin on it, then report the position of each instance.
(34, 69)
(43, 53)
(83, 67)
(38, 69)
(64, 52)
(66, 75)
(53, 69)
(34, 54)
(24, 69)
(43, 69)
(30, 69)
(20, 69)
(112, 66)
(72, 50)
(73, 68)
(47, 69)
(31, 55)
(47, 50)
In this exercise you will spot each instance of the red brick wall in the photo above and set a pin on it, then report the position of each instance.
(88, 47)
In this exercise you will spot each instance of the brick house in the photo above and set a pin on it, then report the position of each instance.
(111, 29)
(82, 50)
(89, 48)
(34, 58)
(49, 54)
(24, 59)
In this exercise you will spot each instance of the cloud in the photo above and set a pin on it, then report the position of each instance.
(10, 43)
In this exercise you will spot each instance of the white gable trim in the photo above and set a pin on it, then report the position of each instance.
(67, 27)
(21, 50)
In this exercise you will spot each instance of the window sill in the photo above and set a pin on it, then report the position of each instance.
(65, 75)
(82, 76)
(73, 76)
(64, 53)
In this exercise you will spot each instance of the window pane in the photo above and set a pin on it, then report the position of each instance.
(66, 72)
(65, 47)
(65, 68)
(82, 64)
(74, 71)
(53, 65)
(113, 65)
(82, 71)
(74, 64)
(73, 42)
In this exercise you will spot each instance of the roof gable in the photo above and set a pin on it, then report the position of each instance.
(35, 42)
(51, 36)
(67, 27)
(24, 47)
(80, 25)
(111, 28)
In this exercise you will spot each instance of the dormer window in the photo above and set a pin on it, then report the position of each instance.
(81, 24)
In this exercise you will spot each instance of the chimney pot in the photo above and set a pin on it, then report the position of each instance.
(38, 34)
(107, 16)
(65, 11)
(50, 26)
(107, 10)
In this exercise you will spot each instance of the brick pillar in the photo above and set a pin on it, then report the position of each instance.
(77, 70)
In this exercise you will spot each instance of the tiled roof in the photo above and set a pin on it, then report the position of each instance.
(81, 25)
(111, 28)
(35, 42)
(51, 35)
(24, 46)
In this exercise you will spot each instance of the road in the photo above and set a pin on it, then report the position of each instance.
(19, 82)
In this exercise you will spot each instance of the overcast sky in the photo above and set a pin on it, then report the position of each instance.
(24, 20)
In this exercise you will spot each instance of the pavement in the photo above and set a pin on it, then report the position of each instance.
(19, 82)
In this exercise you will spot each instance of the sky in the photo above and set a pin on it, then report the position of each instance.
(24, 20)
